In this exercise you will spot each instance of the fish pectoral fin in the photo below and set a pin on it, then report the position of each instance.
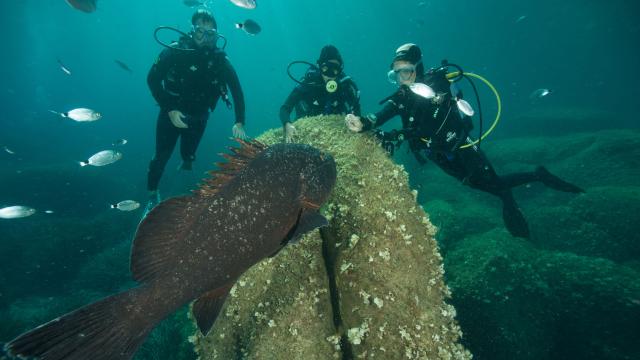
(308, 220)
(208, 306)
(277, 251)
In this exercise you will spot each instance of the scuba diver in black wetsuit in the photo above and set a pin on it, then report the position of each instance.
(436, 130)
(187, 80)
(324, 90)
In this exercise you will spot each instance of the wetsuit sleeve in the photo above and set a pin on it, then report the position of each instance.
(289, 104)
(232, 81)
(155, 77)
(353, 98)
(373, 121)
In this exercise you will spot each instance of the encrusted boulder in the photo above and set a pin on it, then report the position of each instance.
(370, 285)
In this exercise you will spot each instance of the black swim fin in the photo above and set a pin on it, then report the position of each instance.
(554, 182)
(514, 219)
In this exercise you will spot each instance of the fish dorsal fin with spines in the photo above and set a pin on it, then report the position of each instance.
(162, 233)
(226, 171)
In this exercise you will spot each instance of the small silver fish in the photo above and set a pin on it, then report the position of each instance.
(539, 93)
(83, 5)
(521, 18)
(249, 26)
(48, 211)
(126, 205)
(102, 158)
(123, 66)
(247, 4)
(80, 114)
(8, 151)
(120, 142)
(16, 212)
(64, 68)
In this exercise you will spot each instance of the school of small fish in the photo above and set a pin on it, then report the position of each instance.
(84, 115)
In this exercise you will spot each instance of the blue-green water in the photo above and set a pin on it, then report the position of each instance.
(585, 51)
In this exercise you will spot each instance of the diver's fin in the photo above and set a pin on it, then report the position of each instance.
(309, 220)
(207, 308)
(160, 237)
(514, 219)
(103, 330)
(237, 161)
(147, 209)
(554, 182)
(154, 200)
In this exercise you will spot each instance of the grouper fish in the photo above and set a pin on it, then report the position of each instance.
(196, 247)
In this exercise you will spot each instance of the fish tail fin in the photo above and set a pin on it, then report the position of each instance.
(239, 26)
(108, 329)
(84, 163)
(113, 206)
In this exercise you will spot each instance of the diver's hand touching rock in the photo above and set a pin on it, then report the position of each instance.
(289, 132)
(353, 123)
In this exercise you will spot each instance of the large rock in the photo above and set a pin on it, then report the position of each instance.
(518, 302)
(368, 286)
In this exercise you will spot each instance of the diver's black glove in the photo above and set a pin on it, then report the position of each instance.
(389, 140)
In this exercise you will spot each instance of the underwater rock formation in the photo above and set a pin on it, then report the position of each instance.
(368, 286)
(601, 223)
(518, 302)
(570, 292)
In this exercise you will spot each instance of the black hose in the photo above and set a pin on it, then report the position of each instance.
(445, 65)
(299, 62)
(155, 36)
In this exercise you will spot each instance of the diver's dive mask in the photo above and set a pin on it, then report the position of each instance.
(330, 69)
(401, 73)
(204, 36)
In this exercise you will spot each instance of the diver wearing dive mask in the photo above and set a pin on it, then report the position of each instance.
(187, 80)
(204, 35)
(402, 74)
(324, 90)
(435, 129)
(331, 69)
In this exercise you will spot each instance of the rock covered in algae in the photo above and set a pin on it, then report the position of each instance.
(519, 302)
(368, 286)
